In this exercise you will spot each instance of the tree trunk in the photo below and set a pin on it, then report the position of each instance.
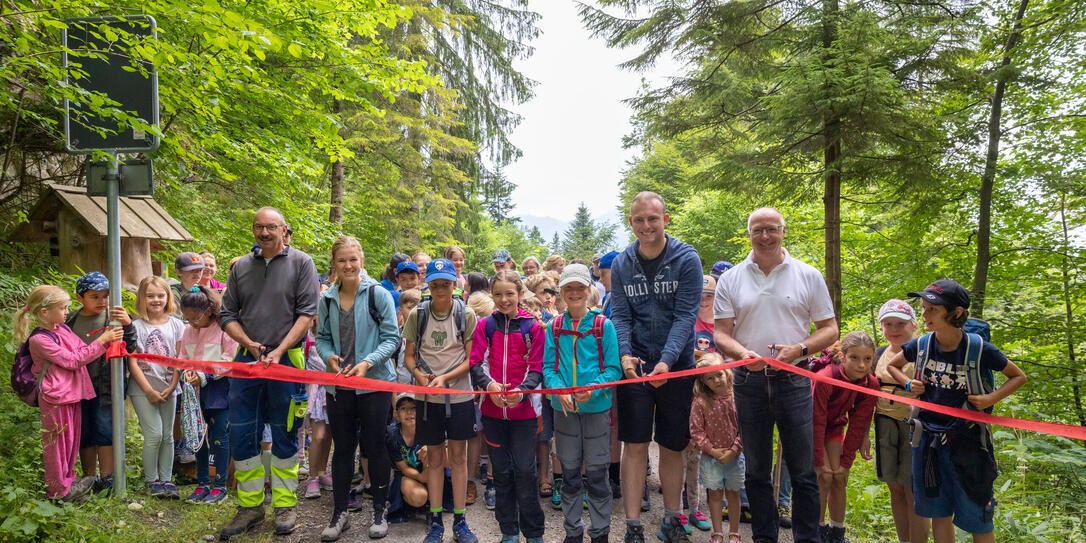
(832, 161)
(335, 215)
(1069, 318)
(987, 179)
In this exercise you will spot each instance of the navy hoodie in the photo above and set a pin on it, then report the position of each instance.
(654, 317)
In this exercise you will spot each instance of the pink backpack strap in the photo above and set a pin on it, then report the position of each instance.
(597, 330)
(556, 324)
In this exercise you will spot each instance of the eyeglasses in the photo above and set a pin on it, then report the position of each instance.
(268, 227)
(771, 230)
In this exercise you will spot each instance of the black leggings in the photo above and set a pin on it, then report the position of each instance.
(350, 416)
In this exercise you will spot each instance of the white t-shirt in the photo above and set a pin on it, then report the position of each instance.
(774, 308)
(156, 339)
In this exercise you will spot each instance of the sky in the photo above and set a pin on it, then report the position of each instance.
(571, 131)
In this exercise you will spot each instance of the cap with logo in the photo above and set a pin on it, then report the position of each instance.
(708, 284)
(575, 273)
(897, 309)
(406, 265)
(720, 267)
(188, 261)
(440, 268)
(944, 292)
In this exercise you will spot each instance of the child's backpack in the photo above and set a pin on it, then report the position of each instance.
(491, 326)
(23, 381)
(979, 381)
(597, 331)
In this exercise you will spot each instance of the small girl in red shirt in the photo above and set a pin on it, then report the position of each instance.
(836, 408)
(714, 429)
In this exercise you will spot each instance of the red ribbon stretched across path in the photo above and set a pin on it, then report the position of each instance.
(280, 372)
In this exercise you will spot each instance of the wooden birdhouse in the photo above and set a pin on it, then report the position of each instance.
(74, 225)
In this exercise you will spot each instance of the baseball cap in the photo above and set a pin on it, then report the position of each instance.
(607, 259)
(440, 268)
(188, 261)
(501, 255)
(406, 265)
(897, 308)
(403, 396)
(720, 267)
(575, 273)
(708, 284)
(91, 281)
(944, 292)
(596, 257)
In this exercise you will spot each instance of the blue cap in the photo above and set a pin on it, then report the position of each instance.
(441, 268)
(501, 255)
(406, 265)
(607, 259)
(91, 281)
(720, 267)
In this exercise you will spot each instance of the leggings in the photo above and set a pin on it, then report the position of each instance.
(156, 423)
(351, 415)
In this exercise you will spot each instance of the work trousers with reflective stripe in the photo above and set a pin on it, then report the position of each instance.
(254, 402)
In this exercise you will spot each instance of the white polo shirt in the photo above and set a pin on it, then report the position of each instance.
(775, 308)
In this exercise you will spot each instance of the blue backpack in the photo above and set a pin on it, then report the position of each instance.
(979, 380)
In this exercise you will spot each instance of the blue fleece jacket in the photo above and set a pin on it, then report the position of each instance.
(654, 316)
(371, 343)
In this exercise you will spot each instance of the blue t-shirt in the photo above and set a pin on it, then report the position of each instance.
(945, 380)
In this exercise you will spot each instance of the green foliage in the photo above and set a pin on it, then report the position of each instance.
(584, 237)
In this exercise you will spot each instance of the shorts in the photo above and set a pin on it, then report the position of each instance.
(546, 428)
(432, 427)
(642, 406)
(836, 433)
(893, 452)
(716, 476)
(96, 426)
(952, 499)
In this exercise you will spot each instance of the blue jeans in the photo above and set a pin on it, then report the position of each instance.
(784, 400)
(218, 445)
(784, 493)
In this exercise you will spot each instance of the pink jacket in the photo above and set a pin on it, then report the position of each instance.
(507, 358)
(713, 424)
(66, 379)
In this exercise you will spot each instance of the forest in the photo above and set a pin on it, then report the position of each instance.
(903, 141)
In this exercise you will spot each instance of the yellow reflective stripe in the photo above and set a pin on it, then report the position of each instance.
(250, 475)
(284, 481)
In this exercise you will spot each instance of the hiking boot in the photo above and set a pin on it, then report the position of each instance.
(462, 534)
(837, 535)
(672, 533)
(556, 497)
(336, 526)
(436, 533)
(217, 495)
(379, 528)
(285, 520)
(784, 513)
(80, 489)
(824, 531)
(602, 538)
(634, 534)
(103, 486)
(244, 520)
(198, 494)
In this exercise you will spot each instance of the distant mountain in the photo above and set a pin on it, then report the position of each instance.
(548, 226)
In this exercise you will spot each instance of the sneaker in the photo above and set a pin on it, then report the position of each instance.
(325, 481)
(462, 534)
(244, 520)
(510, 538)
(785, 516)
(490, 496)
(103, 486)
(645, 505)
(216, 495)
(285, 520)
(436, 533)
(80, 489)
(672, 533)
(198, 494)
(379, 528)
(686, 524)
(155, 488)
(339, 524)
(700, 522)
(471, 492)
(556, 497)
(634, 534)
(354, 501)
(169, 491)
(303, 467)
(185, 454)
(312, 489)
(357, 478)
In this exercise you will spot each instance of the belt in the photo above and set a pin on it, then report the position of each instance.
(770, 371)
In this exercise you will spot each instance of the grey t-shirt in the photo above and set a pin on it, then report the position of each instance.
(346, 341)
(267, 296)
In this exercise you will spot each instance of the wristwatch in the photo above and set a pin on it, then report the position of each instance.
(803, 348)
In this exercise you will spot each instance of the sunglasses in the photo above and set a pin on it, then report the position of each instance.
(551, 291)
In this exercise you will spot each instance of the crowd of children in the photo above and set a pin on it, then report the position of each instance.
(435, 325)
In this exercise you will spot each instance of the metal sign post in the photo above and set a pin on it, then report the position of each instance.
(134, 91)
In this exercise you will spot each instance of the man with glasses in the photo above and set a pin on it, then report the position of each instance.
(269, 305)
(765, 306)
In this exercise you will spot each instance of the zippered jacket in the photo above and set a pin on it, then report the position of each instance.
(507, 358)
(581, 357)
(373, 342)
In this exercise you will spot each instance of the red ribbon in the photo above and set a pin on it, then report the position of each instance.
(280, 372)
